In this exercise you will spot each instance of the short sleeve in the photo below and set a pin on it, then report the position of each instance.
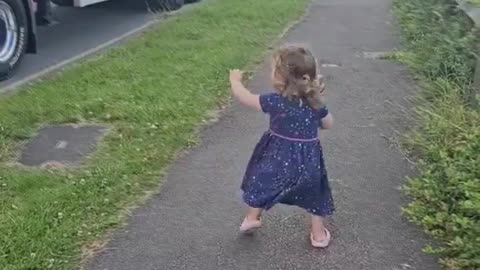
(323, 112)
(269, 102)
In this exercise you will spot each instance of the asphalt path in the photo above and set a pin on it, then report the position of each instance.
(79, 30)
(192, 223)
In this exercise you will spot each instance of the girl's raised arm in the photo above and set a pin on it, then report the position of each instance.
(241, 92)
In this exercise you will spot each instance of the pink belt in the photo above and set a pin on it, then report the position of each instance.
(292, 139)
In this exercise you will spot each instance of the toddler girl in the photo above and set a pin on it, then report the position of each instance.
(287, 164)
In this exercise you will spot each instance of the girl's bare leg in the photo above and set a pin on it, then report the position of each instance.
(318, 228)
(253, 214)
(252, 221)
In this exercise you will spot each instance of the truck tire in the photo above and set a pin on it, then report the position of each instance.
(191, 1)
(13, 36)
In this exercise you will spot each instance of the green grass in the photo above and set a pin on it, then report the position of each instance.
(153, 92)
(476, 2)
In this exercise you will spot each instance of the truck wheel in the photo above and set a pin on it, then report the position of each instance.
(191, 1)
(63, 3)
(13, 36)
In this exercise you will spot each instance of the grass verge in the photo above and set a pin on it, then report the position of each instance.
(476, 2)
(153, 92)
(440, 49)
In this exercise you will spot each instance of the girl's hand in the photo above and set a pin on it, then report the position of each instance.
(321, 83)
(241, 93)
(236, 75)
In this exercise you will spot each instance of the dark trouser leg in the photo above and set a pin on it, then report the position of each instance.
(44, 13)
(155, 5)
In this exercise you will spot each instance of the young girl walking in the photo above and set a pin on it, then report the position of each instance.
(287, 164)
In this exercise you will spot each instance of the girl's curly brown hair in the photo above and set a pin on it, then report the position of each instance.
(296, 76)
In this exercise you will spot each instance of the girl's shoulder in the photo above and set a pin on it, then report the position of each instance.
(271, 95)
(276, 103)
(271, 102)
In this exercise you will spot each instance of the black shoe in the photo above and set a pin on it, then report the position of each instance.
(46, 21)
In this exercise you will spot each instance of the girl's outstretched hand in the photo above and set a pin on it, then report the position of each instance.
(236, 75)
(241, 93)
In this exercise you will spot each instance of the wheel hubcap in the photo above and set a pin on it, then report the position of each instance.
(8, 32)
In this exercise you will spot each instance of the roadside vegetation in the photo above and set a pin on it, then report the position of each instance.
(153, 93)
(440, 49)
(476, 2)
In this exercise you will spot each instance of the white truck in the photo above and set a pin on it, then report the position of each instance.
(19, 20)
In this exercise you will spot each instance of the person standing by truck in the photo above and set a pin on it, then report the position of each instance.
(19, 20)
(44, 15)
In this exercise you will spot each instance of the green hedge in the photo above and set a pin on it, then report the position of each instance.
(445, 194)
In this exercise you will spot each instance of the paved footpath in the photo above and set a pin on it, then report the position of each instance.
(192, 223)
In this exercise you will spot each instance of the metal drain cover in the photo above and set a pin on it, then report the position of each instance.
(63, 144)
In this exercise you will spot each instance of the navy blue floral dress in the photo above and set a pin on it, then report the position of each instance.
(287, 164)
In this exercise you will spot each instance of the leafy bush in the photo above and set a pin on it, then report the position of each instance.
(476, 2)
(440, 39)
(446, 193)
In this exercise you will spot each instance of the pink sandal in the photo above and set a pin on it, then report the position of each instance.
(321, 244)
(249, 227)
